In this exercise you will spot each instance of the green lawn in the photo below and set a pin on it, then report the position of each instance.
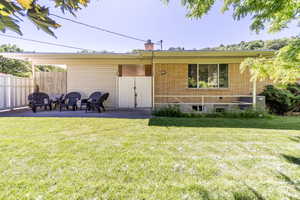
(161, 158)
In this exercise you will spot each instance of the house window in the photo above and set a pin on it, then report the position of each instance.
(208, 75)
(198, 108)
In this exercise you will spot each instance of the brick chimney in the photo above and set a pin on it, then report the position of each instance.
(149, 46)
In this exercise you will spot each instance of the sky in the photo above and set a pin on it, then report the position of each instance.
(145, 19)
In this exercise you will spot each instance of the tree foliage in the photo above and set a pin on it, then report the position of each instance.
(282, 100)
(15, 67)
(276, 13)
(19, 67)
(48, 68)
(275, 44)
(13, 12)
(10, 48)
(282, 69)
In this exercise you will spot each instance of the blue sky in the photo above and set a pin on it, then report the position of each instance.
(146, 19)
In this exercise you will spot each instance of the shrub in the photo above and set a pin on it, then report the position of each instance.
(282, 100)
(174, 111)
(169, 111)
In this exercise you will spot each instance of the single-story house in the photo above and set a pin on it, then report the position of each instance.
(195, 80)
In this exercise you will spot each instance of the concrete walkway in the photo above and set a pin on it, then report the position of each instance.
(129, 113)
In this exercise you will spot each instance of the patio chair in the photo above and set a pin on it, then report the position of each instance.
(98, 104)
(70, 100)
(39, 99)
(56, 100)
(94, 97)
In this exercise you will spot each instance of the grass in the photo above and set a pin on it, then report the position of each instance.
(160, 158)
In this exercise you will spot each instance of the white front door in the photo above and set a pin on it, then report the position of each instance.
(135, 92)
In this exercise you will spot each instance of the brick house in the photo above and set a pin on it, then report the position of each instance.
(194, 80)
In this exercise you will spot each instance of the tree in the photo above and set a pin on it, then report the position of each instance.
(256, 45)
(19, 67)
(12, 13)
(48, 68)
(277, 13)
(15, 67)
(283, 68)
(10, 48)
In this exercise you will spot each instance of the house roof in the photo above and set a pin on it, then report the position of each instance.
(143, 57)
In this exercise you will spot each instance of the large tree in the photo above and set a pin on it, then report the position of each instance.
(277, 13)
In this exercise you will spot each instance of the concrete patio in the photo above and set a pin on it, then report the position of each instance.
(119, 113)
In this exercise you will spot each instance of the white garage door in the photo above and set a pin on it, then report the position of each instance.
(88, 79)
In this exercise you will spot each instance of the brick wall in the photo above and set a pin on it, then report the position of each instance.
(172, 79)
(135, 70)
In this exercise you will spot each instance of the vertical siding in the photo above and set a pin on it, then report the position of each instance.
(51, 82)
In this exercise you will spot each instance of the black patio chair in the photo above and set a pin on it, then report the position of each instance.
(39, 99)
(70, 100)
(98, 104)
(56, 100)
(94, 97)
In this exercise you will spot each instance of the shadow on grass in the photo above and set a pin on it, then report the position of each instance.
(291, 159)
(289, 180)
(281, 123)
(249, 194)
(295, 139)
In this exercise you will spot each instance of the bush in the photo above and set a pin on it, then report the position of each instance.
(169, 111)
(282, 100)
(174, 111)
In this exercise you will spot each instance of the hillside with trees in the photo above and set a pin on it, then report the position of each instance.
(275, 44)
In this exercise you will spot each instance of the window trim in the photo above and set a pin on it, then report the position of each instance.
(218, 88)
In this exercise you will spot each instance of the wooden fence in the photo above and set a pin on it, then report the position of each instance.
(51, 82)
(14, 91)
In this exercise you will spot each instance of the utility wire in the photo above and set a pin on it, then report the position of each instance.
(42, 42)
(101, 29)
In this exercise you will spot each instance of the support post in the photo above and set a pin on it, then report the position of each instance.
(254, 94)
(153, 85)
(153, 82)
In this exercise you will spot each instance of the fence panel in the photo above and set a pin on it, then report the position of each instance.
(51, 82)
(14, 91)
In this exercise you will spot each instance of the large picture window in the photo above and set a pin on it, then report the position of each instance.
(208, 76)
